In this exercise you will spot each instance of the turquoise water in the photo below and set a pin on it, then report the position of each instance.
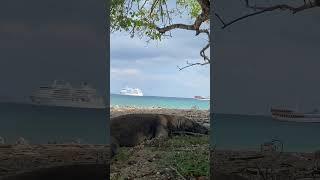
(154, 101)
(237, 131)
(248, 132)
(43, 124)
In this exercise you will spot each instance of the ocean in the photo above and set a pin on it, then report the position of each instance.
(43, 124)
(248, 132)
(237, 131)
(155, 101)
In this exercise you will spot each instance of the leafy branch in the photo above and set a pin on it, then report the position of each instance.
(155, 19)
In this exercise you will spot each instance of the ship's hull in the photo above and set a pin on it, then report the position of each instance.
(63, 103)
(203, 99)
(127, 94)
(298, 119)
(131, 92)
(293, 116)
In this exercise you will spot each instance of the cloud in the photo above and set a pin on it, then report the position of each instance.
(164, 81)
(123, 72)
(152, 67)
(183, 45)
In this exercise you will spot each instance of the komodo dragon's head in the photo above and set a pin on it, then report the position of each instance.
(180, 123)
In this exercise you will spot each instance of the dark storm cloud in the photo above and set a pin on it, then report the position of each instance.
(271, 59)
(45, 40)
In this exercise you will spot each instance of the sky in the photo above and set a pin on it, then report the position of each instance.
(266, 60)
(43, 41)
(152, 67)
(46, 40)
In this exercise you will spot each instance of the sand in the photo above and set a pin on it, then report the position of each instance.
(143, 162)
(37, 161)
(22, 159)
(264, 165)
(200, 116)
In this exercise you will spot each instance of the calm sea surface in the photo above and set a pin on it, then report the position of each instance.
(41, 124)
(244, 132)
(237, 131)
(154, 101)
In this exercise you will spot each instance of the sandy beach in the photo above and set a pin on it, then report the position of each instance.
(264, 165)
(27, 160)
(200, 116)
(21, 159)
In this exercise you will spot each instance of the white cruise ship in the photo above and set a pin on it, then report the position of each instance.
(131, 91)
(61, 93)
(283, 114)
(202, 98)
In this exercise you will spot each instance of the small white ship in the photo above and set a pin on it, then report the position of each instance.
(131, 91)
(202, 98)
(294, 116)
(61, 93)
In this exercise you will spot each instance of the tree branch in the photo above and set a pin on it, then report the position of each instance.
(155, 21)
(305, 6)
(310, 4)
(206, 59)
(202, 17)
(175, 26)
(202, 53)
(220, 19)
(193, 64)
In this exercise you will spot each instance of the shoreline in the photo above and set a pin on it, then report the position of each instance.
(20, 158)
(198, 115)
(154, 107)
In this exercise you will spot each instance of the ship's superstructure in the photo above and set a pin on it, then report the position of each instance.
(284, 114)
(131, 91)
(61, 93)
(202, 98)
